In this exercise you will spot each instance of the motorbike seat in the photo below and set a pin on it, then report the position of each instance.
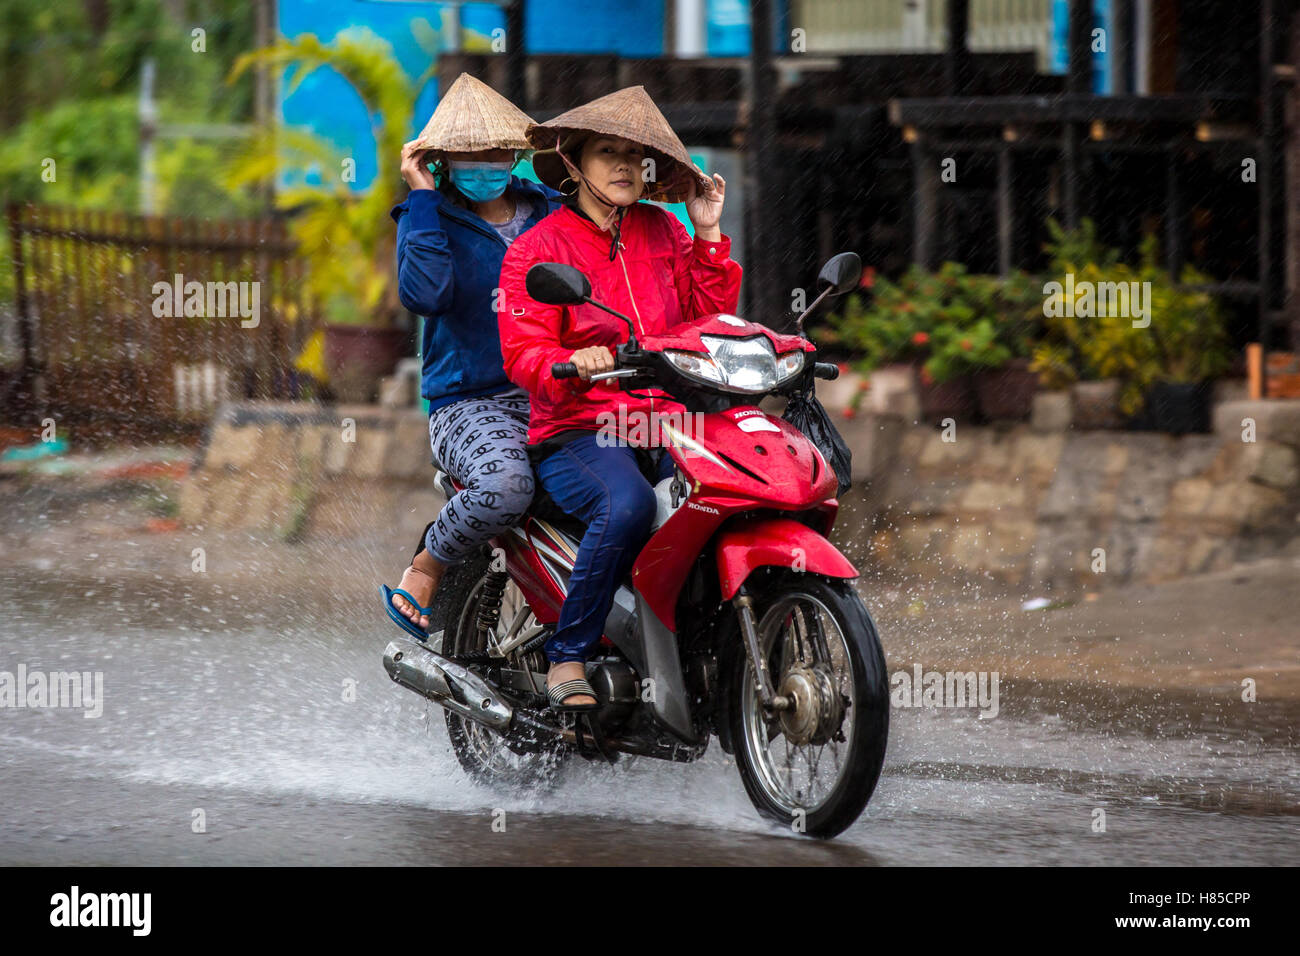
(545, 508)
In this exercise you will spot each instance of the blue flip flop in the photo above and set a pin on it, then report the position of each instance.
(400, 619)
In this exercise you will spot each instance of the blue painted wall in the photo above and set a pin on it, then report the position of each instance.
(628, 28)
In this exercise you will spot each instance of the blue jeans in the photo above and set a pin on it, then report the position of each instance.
(602, 486)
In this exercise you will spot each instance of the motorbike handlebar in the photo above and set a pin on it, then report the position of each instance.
(827, 370)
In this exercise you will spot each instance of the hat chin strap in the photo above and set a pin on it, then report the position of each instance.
(615, 211)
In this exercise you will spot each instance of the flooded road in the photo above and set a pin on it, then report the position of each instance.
(277, 729)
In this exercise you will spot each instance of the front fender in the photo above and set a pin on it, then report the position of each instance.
(775, 542)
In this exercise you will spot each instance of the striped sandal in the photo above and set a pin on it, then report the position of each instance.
(562, 691)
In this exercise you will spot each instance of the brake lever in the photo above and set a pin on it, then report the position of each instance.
(617, 373)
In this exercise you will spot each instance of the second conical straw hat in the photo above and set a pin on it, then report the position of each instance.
(473, 116)
(631, 114)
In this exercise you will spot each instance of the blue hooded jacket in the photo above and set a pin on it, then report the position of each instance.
(448, 270)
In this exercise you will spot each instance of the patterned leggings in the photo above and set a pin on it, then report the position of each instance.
(480, 442)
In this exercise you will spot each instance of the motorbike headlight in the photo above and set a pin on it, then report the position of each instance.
(788, 364)
(750, 366)
(696, 366)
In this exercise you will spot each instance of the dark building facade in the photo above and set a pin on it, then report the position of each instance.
(1193, 140)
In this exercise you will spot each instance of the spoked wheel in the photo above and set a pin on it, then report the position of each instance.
(813, 766)
(517, 759)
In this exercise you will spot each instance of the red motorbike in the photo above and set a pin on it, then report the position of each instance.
(739, 618)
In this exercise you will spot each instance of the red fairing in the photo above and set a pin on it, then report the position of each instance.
(534, 571)
(661, 568)
(660, 278)
(746, 441)
(776, 542)
(720, 461)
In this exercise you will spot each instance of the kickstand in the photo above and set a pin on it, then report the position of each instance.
(597, 737)
(577, 733)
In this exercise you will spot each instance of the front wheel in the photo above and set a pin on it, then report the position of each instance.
(813, 766)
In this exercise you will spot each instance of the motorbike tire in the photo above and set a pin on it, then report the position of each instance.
(489, 758)
(868, 715)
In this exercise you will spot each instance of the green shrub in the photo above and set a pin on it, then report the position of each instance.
(1185, 341)
(951, 321)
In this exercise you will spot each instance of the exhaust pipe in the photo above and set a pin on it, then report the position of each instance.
(450, 685)
(446, 683)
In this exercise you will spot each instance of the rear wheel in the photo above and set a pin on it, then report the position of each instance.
(814, 766)
(516, 759)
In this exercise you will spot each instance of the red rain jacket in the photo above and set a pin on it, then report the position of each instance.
(661, 277)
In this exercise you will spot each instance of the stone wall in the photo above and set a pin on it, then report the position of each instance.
(1026, 505)
(299, 468)
(1030, 506)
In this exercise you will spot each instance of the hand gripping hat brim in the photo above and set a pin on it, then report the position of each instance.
(473, 116)
(631, 114)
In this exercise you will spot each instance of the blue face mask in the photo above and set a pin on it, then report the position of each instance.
(479, 182)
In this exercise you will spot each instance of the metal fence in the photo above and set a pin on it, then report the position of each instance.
(147, 321)
(918, 26)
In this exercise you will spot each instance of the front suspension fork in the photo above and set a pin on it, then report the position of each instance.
(767, 695)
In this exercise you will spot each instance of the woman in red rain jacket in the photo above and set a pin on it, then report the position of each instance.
(640, 260)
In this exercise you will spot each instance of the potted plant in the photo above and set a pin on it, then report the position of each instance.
(891, 330)
(1154, 360)
(1165, 368)
(888, 334)
(1062, 358)
(974, 336)
(947, 376)
(1061, 365)
(896, 334)
(1004, 383)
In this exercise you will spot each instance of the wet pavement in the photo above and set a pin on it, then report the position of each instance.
(274, 719)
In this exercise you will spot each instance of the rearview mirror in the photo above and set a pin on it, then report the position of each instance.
(840, 274)
(557, 284)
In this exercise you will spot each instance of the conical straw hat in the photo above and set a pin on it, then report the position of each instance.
(631, 114)
(473, 116)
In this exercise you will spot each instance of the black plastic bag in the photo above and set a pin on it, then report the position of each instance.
(807, 414)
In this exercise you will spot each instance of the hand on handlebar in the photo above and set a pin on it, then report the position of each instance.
(592, 360)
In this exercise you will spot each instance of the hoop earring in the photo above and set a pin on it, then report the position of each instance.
(572, 192)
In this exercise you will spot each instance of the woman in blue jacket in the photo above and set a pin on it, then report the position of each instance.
(451, 237)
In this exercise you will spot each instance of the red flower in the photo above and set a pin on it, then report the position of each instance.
(849, 413)
(868, 278)
(967, 345)
(920, 338)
